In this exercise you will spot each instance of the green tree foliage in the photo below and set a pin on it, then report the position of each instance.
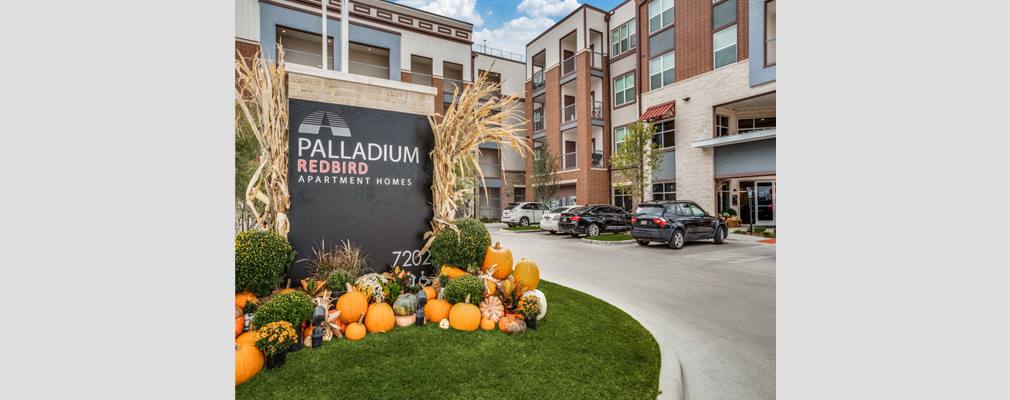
(544, 177)
(636, 160)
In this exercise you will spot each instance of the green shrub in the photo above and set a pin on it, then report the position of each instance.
(293, 307)
(759, 230)
(770, 234)
(461, 249)
(730, 211)
(458, 288)
(261, 258)
(339, 279)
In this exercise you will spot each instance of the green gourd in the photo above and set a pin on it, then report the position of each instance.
(406, 304)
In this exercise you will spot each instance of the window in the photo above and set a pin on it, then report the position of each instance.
(724, 197)
(624, 89)
(664, 191)
(770, 33)
(660, 14)
(697, 211)
(661, 70)
(724, 43)
(721, 125)
(520, 195)
(622, 38)
(755, 124)
(622, 200)
(620, 135)
(664, 134)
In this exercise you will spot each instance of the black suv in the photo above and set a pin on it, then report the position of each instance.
(594, 220)
(675, 222)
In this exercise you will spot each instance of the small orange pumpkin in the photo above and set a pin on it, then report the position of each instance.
(351, 303)
(452, 272)
(242, 298)
(379, 318)
(248, 362)
(501, 256)
(340, 324)
(526, 271)
(465, 316)
(512, 324)
(487, 323)
(239, 321)
(289, 290)
(437, 309)
(246, 339)
(429, 293)
(356, 330)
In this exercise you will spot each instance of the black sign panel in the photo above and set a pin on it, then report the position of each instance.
(363, 175)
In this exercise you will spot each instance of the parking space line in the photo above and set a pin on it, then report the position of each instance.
(735, 256)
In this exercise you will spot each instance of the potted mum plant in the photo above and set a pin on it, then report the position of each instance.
(292, 307)
(529, 308)
(274, 339)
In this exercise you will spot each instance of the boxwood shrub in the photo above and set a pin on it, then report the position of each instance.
(462, 249)
(458, 288)
(261, 258)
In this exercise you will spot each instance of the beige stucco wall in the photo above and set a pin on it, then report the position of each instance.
(336, 87)
(695, 167)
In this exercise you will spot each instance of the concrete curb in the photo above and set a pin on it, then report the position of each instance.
(602, 243)
(529, 231)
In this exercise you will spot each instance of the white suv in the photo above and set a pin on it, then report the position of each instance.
(523, 214)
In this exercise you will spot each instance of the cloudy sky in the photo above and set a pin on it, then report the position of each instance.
(506, 24)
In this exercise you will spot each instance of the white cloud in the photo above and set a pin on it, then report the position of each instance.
(514, 34)
(464, 10)
(546, 8)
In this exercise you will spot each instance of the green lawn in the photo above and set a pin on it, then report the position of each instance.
(611, 237)
(584, 348)
(519, 228)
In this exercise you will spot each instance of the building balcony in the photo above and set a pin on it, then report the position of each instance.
(571, 160)
(308, 59)
(596, 60)
(538, 124)
(598, 109)
(490, 170)
(420, 79)
(449, 85)
(598, 158)
(568, 113)
(568, 66)
(538, 80)
(374, 71)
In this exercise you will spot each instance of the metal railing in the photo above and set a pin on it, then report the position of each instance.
(596, 60)
(449, 85)
(571, 160)
(598, 158)
(770, 51)
(374, 71)
(303, 58)
(538, 80)
(490, 170)
(420, 79)
(598, 109)
(508, 55)
(568, 66)
(568, 113)
(538, 123)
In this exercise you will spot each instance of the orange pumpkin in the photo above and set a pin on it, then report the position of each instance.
(242, 298)
(526, 272)
(487, 323)
(247, 339)
(512, 323)
(379, 318)
(248, 362)
(452, 272)
(501, 256)
(492, 307)
(429, 293)
(307, 331)
(290, 290)
(340, 324)
(351, 304)
(239, 321)
(437, 309)
(465, 316)
(356, 330)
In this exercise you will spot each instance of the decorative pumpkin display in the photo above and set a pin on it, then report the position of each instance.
(248, 362)
(406, 304)
(501, 256)
(444, 324)
(379, 318)
(457, 289)
(351, 304)
(512, 324)
(437, 309)
(430, 293)
(336, 320)
(242, 298)
(491, 307)
(453, 272)
(465, 316)
(356, 330)
(486, 323)
(246, 339)
(239, 321)
(526, 271)
(543, 301)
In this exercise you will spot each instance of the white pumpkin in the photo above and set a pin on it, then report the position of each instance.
(543, 301)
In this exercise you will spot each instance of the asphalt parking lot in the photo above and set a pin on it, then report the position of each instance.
(711, 307)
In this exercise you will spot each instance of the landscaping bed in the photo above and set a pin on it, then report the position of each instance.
(611, 238)
(582, 348)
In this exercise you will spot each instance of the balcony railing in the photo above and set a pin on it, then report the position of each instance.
(596, 60)
(571, 160)
(499, 53)
(598, 158)
(568, 66)
(490, 170)
(374, 71)
(449, 85)
(598, 109)
(770, 51)
(568, 113)
(302, 58)
(538, 80)
(420, 79)
(538, 123)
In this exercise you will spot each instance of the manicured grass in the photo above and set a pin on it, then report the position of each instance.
(584, 348)
(611, 238)
(519, 228)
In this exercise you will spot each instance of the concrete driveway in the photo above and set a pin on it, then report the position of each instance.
(710, 307)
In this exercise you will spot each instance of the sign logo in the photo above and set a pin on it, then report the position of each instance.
(324, 119)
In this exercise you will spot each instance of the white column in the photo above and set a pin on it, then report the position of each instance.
(345, 21)
(325, 52)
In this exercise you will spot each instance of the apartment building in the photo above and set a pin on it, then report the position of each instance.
(702, 72)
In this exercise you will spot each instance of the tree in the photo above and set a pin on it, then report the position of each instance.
(636, 160)
(544, 176)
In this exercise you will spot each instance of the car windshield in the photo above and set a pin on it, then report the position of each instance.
(651, 209)
(575, 210)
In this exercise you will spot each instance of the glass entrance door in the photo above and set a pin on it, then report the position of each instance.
(765, 193)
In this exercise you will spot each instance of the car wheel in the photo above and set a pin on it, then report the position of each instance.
(524, 222)
(574, 234)
(677, 241)
(593, 230)
(553, 232)
(642, 242)
(720, 235)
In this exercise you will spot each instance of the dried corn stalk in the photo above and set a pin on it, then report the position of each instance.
(468, 122)
(265, 87)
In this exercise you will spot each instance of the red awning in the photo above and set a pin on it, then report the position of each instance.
(655, 113)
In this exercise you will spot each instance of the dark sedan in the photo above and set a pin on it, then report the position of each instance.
(675, 222)
(594, 220)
